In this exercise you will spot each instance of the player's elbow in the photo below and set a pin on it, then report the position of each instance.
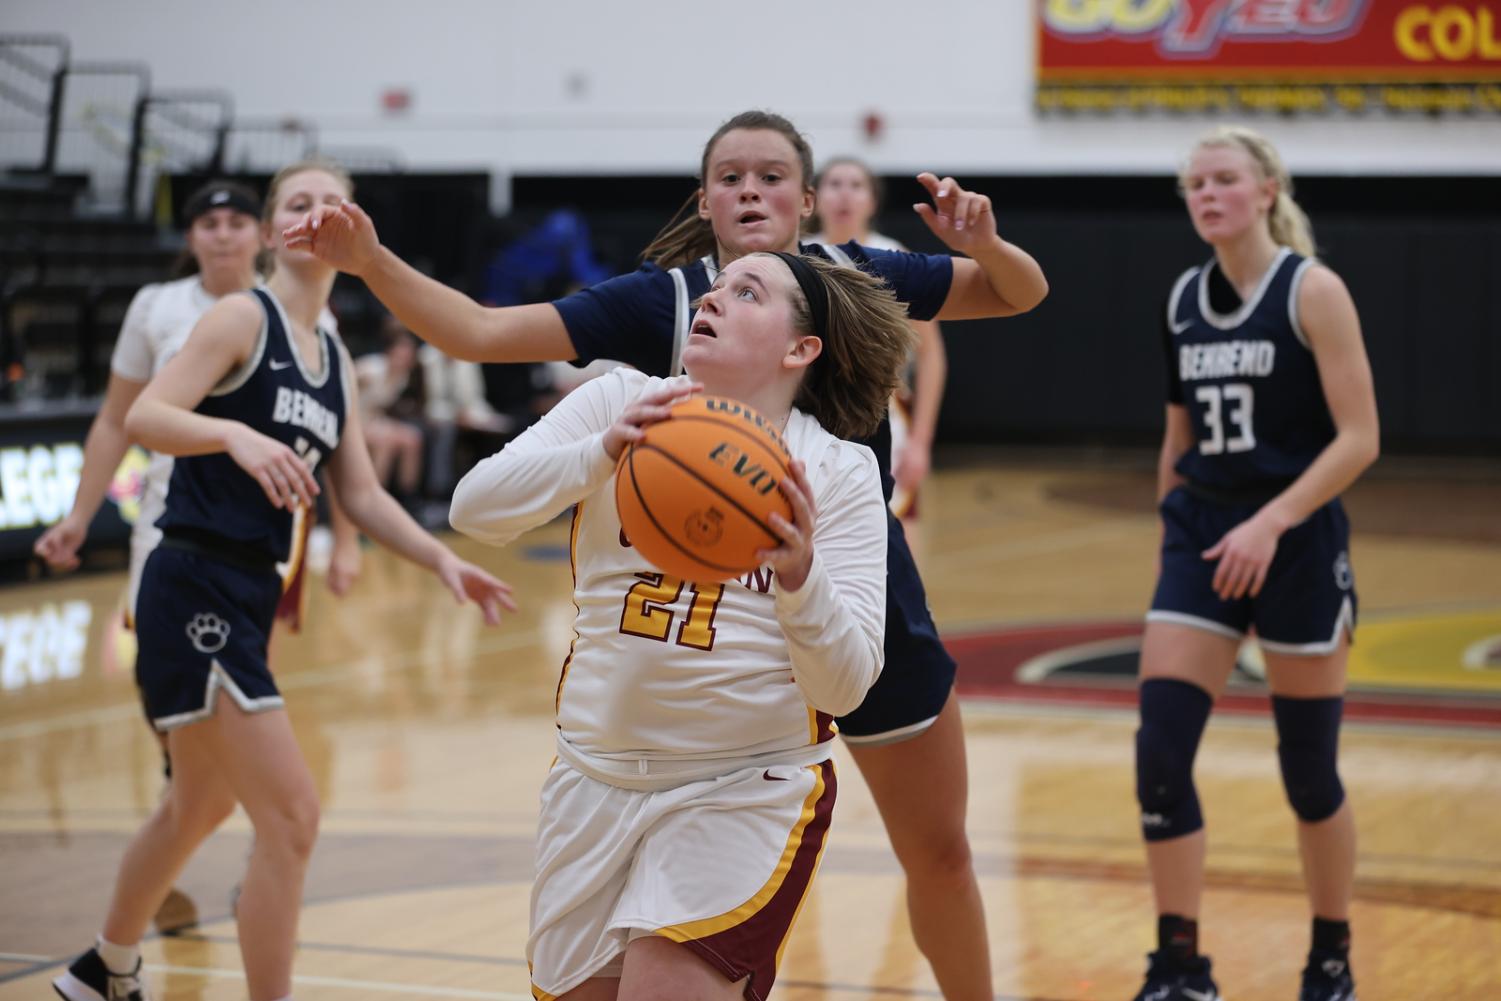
(135, 423)
(466, 510)
(1032, 297)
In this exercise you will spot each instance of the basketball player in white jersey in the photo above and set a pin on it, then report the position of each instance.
(687, 809)
(849, 196)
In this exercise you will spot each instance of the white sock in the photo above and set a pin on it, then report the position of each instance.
(118, 958)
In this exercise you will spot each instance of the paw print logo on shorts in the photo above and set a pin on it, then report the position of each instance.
(208, 632)
(1343, 575)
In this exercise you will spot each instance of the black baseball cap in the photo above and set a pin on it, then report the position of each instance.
(220, 195)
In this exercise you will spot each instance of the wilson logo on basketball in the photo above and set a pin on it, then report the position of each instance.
(732, 408)
(755, 476)
(704, 528)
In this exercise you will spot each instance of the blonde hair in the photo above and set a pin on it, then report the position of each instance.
(865, 347)
(1287, 221)
(686, 237)
(327, 166)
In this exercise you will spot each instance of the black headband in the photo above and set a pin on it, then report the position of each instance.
(220, 196)
(813, 290)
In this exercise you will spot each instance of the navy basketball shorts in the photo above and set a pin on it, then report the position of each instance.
(202, 625)
(919, 673)
(1307, 601)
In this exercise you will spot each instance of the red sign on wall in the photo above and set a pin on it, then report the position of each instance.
(1389, 51)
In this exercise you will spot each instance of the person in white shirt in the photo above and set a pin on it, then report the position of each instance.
(688, 806)
(849, 196)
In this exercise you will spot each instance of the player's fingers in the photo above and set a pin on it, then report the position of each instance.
(961, 210)
(979, 206)
(1259, 579)
(925, 212)
(928, 180)
(948, 194)
(789, 532)
(269, 487)
(297, 479)
(1215, 551)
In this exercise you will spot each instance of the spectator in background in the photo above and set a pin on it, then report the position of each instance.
(392, 397)
(455, 407)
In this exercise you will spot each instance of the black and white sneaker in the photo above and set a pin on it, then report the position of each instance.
(88, 979)
(1327, 978)
(1172, 979)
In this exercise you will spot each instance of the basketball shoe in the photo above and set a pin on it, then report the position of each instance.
(1172, 979)
(88, 979)
(1327, 978)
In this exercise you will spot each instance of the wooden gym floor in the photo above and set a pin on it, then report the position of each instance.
(429, 735)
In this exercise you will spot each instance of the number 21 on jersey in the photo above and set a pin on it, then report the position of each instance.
(648, 610)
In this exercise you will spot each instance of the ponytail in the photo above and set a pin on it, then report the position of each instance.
(683, 240)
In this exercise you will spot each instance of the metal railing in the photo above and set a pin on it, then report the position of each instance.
(32, 68)
(103, 118)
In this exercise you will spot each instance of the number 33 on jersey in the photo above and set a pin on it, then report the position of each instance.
(1248, 377)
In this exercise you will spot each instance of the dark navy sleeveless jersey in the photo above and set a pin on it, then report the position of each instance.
(275, 394)
(642, 318)
(1248, 378)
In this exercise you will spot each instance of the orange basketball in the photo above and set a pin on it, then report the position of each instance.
(696, 494)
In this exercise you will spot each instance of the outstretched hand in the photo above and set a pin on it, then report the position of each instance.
(962, 219)
(469, 583)
(341, 236)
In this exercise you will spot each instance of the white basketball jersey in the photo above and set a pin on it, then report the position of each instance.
(668, 678)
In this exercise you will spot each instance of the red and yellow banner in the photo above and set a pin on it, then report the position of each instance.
(1386, 53)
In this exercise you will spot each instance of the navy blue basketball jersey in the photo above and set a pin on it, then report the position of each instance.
(1245, 371)
(276, 394)
(642, 318)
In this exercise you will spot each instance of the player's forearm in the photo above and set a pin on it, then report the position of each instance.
(1014, 276)
(102, 451)
(927, 391)
(446, 318)
(378, 515)
(173, 430)
(834, 640)
(525, 485)
(1350, 453)
(1167, 476)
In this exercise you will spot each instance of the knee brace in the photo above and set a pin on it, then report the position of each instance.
(1308, 747)
(1173, 714)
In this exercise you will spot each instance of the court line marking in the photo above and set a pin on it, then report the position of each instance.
(28, 729)
(301, 979)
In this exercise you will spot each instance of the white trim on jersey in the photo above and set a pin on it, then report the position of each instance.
(1195, 622)
(242, 375)
(1292, 302)
(1235, 319)
(217, 678)
(1343, 622)
(320, 380)
(680, 321)
(836, 255)
(1175, 298)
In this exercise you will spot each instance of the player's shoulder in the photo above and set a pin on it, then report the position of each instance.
(827, 455)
